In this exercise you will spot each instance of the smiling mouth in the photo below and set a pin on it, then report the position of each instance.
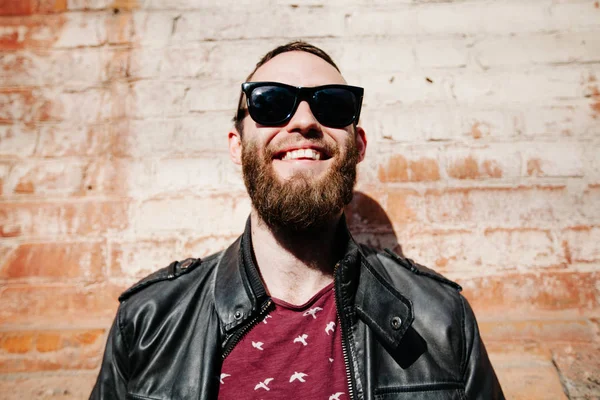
(302, 154)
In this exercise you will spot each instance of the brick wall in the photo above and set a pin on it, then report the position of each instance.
(483, 121)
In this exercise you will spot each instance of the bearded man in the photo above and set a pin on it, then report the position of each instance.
(295, 307)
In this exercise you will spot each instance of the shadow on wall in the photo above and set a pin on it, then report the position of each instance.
(369, 223)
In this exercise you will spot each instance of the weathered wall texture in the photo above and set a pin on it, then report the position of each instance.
(483, 119)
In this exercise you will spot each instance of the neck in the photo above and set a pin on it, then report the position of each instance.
(295, 265)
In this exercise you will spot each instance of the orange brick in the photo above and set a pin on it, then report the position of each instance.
(69, 349)
(38, 219)
(45, 305)
(526, 295)
(25, 32)
(48, 341)
(470, 168)
(28, 7)
(56, 260)
(399, 169)
(16, 343)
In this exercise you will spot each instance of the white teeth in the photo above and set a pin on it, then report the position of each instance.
(302, 153)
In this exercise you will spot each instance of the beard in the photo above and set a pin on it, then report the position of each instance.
(301, 203)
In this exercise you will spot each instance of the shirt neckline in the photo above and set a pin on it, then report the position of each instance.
(301, 307)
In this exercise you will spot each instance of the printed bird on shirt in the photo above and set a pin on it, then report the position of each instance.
(329, 327)
(298, 376)
(223, 376)
(301, 339)
(313, 312)
(336, 396)
(257, 345)
(264, 384)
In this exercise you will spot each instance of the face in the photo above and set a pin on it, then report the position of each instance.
(301, 174)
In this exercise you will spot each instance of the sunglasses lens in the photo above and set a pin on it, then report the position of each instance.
(271, 105)
(334, 107)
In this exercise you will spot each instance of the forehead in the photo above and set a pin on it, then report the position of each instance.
(298, 68)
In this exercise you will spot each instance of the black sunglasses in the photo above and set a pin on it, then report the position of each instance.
(274, 103)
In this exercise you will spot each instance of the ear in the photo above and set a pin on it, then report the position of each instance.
(235, 146)
(361, 143)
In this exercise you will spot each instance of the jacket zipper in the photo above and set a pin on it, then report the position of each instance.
(349, 376)
(236, 337)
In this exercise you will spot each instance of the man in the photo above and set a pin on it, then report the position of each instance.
(295, 307)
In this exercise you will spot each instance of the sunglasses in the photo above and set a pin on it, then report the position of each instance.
(274, 103)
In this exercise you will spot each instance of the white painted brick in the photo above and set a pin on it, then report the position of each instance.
(17, 141)
(83, 29)
(481, 124)
(367, 54)
(89, 4)
(583, 243)
(446, 53)
(441, 250)
(72, 140)
(179, 176)
(540, 85)
(201, 135)
(208, 95)
(405, 124)
(592, 166)
(167, 27)
(236, 5)
(206, 246)
(518, 249)
(45, 178)
(505, 17)
(234, 60)
(383, 21)
(563, 47)
(153, 99)
(576, 119)
(72, 67)
(89, 106)
(404, 87)
(142, 257)
(495, 207)
(553, 159)
(209, 214)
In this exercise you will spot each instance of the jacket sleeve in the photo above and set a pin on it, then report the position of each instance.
(111, 383)
(479, 376)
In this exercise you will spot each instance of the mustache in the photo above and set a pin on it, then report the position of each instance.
(329, 148)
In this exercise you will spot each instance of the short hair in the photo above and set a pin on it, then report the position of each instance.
(297, 45)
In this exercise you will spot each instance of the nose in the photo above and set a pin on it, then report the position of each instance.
(303, 120)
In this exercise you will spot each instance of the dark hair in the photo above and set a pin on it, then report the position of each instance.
(292, 46)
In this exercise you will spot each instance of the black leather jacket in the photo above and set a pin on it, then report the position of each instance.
(407, 333)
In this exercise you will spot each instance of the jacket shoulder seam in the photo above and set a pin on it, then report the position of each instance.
(420, 270)
(171, 272)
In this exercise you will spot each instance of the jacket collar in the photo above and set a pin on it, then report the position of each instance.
(239, 291)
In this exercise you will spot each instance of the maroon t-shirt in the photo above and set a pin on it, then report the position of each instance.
(295, 351)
